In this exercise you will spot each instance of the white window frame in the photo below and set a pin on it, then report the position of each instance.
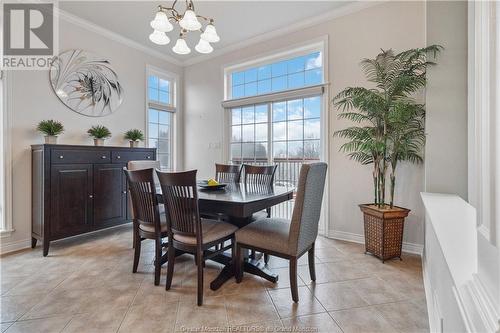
(6, 224)
(318, 45)
(314, 45)
(484, 103)
(171, 107)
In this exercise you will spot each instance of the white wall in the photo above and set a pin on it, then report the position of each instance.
(33, 100)
(397, 25)
(446, 100)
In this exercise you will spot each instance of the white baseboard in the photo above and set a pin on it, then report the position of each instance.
(357, 238)
(7, 247)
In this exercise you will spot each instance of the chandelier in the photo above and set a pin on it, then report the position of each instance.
(188, 22)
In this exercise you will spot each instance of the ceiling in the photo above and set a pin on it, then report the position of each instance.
(236, 21)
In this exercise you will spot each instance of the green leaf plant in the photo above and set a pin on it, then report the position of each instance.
(389, 122)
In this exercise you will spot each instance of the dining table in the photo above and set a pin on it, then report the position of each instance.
(237, 203)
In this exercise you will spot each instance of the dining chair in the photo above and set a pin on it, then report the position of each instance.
(227, 173)
(259, 177)
(149, 221)
(186, 230)
(141, 165)
(289, 239)
(259, 174)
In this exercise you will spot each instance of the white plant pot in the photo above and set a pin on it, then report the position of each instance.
(134, 144)
(51, 139)
(98, 142)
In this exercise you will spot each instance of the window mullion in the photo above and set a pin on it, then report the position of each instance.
(270, 151)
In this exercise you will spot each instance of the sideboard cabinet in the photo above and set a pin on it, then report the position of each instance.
(79, 189)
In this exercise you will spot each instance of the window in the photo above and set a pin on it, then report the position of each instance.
(249, 134)
(275, 115)
(297, 72)
(287, 133)
(161, 106)
(6, 226)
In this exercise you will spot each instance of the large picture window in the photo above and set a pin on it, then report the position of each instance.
(287, 133)
(161, 89)
(275, 114)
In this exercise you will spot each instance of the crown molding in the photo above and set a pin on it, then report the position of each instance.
(304, 24)
(90, 26)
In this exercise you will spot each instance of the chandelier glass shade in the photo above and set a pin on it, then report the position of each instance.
(181, 47)
(189, 21)
(203, 46)
(159, 37)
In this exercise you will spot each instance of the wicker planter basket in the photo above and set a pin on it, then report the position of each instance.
(384, 230)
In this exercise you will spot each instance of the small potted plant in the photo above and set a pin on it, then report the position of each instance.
(51, 129)
(134, 136)
(99, 133)
(389, 129)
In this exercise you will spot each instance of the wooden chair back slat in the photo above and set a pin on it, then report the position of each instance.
(181, 199)
(143, 193)
(262, 175)
(226, 173)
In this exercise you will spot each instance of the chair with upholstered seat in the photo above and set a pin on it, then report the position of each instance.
(186, 230)
(149, 220)
(289, 239)
(141, 165)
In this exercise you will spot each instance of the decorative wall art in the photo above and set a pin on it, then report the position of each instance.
(86, 83)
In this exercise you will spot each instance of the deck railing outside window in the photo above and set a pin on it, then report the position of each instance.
(287, 174)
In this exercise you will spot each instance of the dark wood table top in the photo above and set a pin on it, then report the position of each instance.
(243, 193)
(240, 201)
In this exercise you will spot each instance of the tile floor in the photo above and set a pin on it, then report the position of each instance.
(86, 285)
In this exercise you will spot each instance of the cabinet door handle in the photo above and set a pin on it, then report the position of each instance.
(118, 157)
(103, 157)
(91, 196)
(61, 157)
(148, 157)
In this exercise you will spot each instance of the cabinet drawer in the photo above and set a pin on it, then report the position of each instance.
(125, 156)
(60, 156)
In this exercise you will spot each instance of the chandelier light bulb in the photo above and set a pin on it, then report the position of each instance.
(159, 37)
(161, 22)
(210, 34)
(189, 21)
(181, 47)
(203, 46)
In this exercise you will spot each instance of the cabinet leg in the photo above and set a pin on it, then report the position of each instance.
(33, 242)
(46, 244)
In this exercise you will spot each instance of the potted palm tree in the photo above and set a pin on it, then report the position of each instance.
(51, 129)
(389, 129)
(99, 133)
(134, 136)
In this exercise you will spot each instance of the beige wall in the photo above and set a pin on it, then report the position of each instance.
(33, 100)
(397, 25)
(446, 100)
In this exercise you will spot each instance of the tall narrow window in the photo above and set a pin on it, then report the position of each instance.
(161, 89)
(6, 226)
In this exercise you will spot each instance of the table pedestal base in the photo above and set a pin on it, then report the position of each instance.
(252, 266)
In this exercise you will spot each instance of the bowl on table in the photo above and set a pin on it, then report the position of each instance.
(204, 184)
